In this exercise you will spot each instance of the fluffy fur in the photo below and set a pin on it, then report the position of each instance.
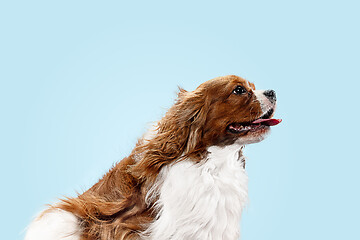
(201, 200)
(186, 180)
(54, 224)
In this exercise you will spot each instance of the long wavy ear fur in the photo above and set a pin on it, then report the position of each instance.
(178, 136)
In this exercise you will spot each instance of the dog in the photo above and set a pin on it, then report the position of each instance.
(185, 179)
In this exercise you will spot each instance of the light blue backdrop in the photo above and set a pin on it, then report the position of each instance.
(80, 80)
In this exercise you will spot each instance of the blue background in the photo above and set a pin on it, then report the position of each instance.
(81, 80)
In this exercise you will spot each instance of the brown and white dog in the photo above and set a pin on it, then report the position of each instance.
(184, 180)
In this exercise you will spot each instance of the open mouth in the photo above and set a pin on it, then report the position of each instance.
(263, 122)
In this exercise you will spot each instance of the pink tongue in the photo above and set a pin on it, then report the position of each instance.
(268, 122)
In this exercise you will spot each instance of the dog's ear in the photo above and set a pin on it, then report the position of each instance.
(191, 114)
(178, 136)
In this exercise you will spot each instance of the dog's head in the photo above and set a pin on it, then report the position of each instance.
(225, 110)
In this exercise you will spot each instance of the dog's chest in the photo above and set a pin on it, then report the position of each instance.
(201, 201)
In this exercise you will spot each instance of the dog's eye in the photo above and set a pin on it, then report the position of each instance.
(239, 90)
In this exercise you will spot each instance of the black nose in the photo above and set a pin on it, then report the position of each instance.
(271, 95)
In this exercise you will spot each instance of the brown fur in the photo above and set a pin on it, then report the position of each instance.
(115, 208)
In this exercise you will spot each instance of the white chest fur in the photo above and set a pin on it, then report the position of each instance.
(201, 201)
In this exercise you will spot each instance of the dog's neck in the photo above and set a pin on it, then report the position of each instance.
(201, 200)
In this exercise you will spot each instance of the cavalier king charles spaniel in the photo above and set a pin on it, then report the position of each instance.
(185, 179)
